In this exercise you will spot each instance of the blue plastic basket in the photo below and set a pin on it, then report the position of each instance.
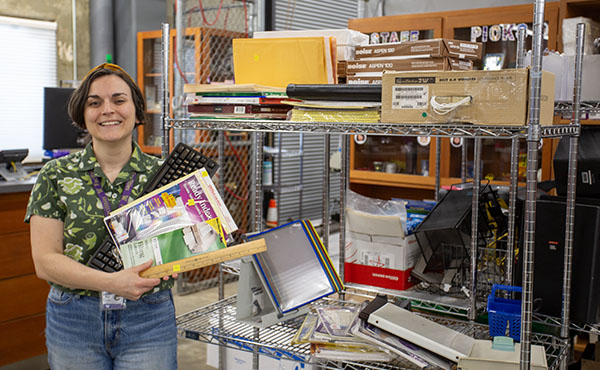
(503, 313)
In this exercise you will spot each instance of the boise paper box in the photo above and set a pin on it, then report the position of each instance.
(384, 265)
(412, 64)
(423, 48)
(378, 253)
(479, 97)
(363, 80)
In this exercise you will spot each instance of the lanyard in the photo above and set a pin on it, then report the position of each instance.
(104, 199)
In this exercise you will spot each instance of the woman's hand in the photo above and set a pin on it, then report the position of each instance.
(128, 283)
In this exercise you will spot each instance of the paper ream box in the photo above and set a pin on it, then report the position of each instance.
(423, 48)
(488, 97)
(360, 80)
(367, 223)
(408, 64)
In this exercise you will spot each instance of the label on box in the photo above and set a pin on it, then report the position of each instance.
(377, 259)
(410, 97)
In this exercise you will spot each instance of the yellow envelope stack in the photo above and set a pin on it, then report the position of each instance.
(282, 61)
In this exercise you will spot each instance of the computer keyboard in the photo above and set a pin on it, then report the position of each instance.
(105, 257)
(181, 161)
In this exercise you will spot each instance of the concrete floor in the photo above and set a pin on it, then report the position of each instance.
(191, 354)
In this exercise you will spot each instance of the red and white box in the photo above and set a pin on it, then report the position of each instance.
(377, 251)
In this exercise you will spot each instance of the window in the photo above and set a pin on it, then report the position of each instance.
(28, 64)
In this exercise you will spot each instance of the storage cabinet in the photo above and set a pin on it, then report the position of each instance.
(22, 313)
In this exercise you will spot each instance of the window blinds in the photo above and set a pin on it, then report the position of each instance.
(28, 64)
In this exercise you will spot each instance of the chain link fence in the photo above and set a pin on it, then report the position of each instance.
(206, 56)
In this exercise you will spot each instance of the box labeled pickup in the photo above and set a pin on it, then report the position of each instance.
(479, 97)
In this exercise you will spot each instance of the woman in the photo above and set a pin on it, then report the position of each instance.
(87, 326)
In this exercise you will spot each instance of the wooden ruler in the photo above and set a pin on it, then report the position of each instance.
(205, 259)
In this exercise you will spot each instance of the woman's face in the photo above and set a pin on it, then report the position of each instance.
(109, 110)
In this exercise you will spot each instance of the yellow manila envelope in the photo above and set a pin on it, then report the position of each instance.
(282, 61)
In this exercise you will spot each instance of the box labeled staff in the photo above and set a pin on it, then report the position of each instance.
(479, 97)
(378, 253)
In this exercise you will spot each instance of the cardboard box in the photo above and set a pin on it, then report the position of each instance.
(569, 35)
(378, 253)
(410, 64)
(238, 359)
(366, 80)
(423, 48)
(484, 356)
(487, 97)
(382, 265)
(590, 88)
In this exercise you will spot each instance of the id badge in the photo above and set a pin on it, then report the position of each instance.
(111, 301)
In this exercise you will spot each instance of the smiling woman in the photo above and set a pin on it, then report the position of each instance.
(135, 323)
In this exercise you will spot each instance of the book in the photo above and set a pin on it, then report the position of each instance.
(237, 108)
(249, 87)
(251, 116)
(240, 98)
(184, 218)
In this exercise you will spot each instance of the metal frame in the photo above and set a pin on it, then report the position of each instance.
(532, 133)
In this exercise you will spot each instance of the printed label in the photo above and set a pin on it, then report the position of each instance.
(373, 258)
(410, 97)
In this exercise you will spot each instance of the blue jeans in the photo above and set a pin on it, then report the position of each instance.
(80, 335)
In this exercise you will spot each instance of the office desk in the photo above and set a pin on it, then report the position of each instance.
(22, 312)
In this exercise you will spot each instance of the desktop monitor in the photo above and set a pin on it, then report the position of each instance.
(59, 130)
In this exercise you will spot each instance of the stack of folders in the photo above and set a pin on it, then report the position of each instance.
(296, 269)
(329, 330)
(237, 101)
(342, 103)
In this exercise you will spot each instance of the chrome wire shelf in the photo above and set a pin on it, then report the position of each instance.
(419, 299)
(566, 107)
(394, 129)
(216, 323)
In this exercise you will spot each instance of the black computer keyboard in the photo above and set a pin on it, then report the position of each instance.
(181, 161)
(105, 257)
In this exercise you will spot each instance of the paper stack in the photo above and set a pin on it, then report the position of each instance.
(329, 330)
(335, 103)
(237, 101)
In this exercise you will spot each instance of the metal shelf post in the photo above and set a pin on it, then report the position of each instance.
(571, 188)
(533, 138)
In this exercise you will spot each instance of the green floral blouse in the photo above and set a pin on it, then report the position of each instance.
(64, 191)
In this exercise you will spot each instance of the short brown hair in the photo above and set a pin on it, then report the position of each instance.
(78, 98)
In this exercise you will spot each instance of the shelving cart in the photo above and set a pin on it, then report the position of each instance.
(216, 323)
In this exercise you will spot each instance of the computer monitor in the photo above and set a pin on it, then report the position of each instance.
(59, 130)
